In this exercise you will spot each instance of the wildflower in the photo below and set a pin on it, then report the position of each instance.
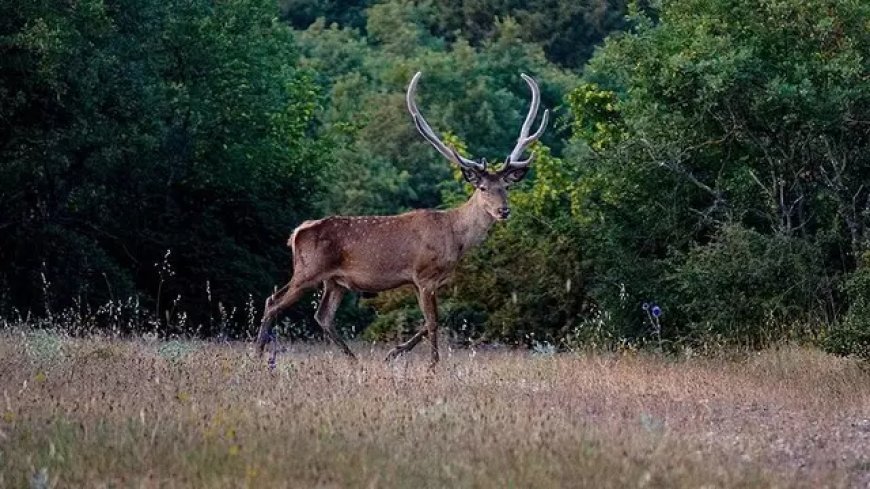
(654, 312)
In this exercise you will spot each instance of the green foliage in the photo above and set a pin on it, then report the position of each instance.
(852, 336)
(528, 274)
(133, 129)
(712, 159)
(849, 339)
(596, 118)
(399, 317)
(382, 164)
(724, 165)
(747, 287)
(566, 29)
(395, 325)
(302, 13)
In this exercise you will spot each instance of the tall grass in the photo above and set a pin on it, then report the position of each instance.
(103, 412)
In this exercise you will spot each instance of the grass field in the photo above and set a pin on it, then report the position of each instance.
(137, 413)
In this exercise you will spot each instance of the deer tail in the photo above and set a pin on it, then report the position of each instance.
(291, 243)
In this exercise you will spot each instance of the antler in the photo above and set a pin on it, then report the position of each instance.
(427, 132)
(524, 141)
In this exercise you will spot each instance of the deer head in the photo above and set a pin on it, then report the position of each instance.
(490, 186)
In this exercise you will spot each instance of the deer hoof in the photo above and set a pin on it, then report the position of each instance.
(262, 341)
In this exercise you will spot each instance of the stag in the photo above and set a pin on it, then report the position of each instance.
(419, 248)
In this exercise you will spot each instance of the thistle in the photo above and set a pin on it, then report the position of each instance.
(654, 312)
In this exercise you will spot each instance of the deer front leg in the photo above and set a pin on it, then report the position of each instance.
(429, 306)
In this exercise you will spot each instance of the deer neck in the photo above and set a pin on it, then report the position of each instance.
(471, 222)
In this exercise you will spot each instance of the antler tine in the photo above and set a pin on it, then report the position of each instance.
(426, 130)
(533, 106)
(524, 141)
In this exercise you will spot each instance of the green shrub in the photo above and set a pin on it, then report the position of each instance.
(748, 288)
(852, 335)
(394, 325)
(462, 322)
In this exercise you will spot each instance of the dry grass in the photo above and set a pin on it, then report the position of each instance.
(104, 412)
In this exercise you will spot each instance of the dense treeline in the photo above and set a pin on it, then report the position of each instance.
(150, 149)
(567, 30)
(707, 156)
(740, 131)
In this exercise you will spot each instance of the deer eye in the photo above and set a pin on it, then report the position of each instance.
(482, 187)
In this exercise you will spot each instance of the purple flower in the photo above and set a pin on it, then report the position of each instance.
(656, 311)
(645, 306)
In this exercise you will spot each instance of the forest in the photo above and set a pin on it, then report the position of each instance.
(706, 159)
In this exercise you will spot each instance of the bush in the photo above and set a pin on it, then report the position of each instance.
(134, 128)
(748, 288)
(852, 336)
(400, 317)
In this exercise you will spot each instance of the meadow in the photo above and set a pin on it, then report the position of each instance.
(109, 412)
(705, 159)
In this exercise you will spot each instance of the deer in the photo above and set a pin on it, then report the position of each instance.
(421, 248)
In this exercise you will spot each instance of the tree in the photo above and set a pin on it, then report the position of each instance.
(382, 165)
(728, 114)
(567, 30)
(131, 130)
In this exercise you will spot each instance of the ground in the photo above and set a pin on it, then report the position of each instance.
(104, 412)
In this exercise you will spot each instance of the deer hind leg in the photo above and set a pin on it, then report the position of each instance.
(408, 345)
(285, 297)
(332, 295)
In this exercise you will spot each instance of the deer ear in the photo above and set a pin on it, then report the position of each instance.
(514, 175)
(472, 176)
